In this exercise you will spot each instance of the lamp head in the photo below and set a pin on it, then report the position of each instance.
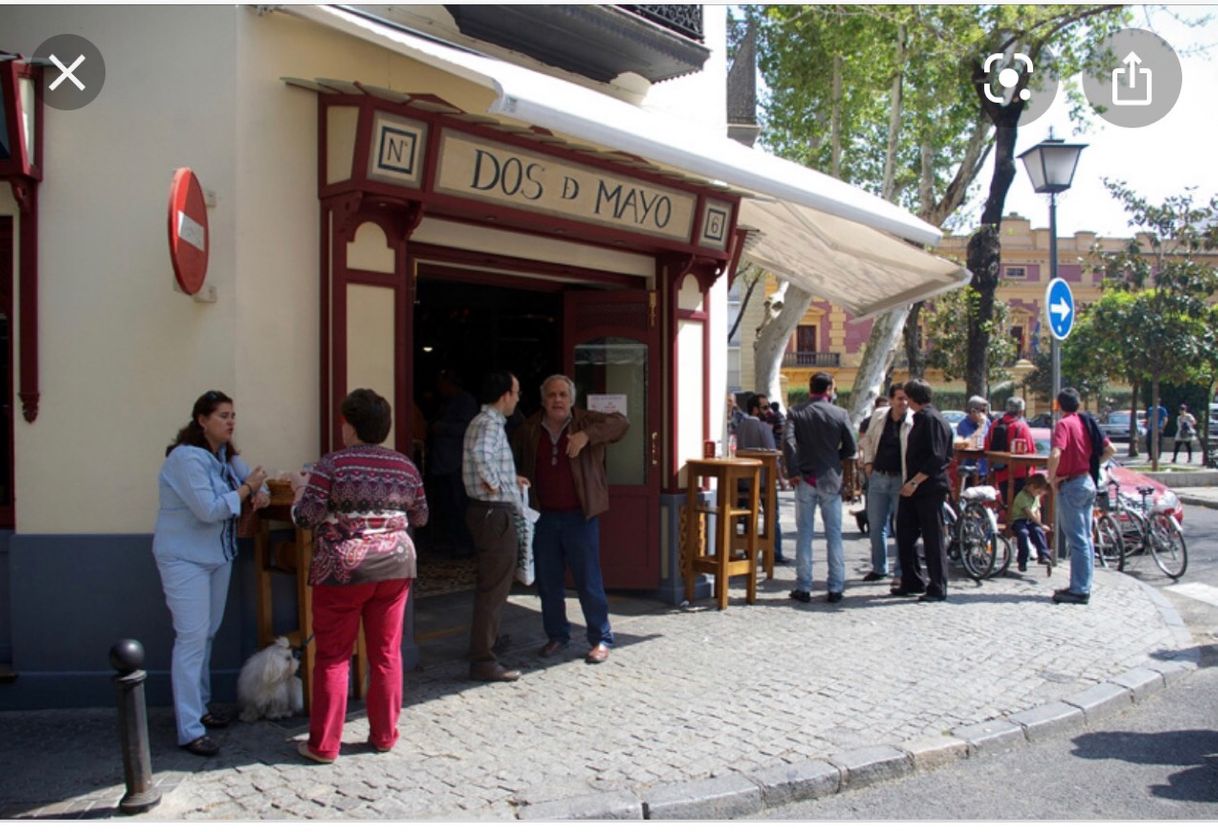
(1051, 165)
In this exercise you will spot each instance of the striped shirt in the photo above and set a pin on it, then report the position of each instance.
(487, 459)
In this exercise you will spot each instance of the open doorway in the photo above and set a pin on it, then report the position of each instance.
(464, 328)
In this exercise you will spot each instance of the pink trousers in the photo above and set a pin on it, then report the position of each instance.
(337, 611)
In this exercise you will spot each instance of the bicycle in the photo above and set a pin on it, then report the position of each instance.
(971, 530)
(1144, 528)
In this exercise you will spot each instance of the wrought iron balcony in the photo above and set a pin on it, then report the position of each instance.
(598, 42)
(812, 359)
(684, 20)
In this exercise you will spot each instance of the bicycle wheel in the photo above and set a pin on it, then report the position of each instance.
(950, 538)
(1002, 560)
(1167, 546)
(1109, 548)
(977, 542)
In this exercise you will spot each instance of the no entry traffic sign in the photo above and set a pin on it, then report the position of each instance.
(188, 234)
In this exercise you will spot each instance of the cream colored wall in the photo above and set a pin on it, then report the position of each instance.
(691, 395)
(122, 355)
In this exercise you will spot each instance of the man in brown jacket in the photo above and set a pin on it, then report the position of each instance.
(561, 450)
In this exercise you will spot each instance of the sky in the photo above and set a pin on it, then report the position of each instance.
(1158, 161)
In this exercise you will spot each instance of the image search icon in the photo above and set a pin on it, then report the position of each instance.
(1004, 72)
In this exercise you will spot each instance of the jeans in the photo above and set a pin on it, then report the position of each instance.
(337, 612)
(1075, 499)
(566, 540)
(830, 501)
(1026, 530)
(195, 594)
(883, 491)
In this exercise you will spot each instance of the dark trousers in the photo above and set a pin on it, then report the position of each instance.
(920, 516)
(1026, 530)
(566, 540)
(494, 531)
(1188, 446)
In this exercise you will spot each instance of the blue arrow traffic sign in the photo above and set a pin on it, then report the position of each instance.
(1059, 308)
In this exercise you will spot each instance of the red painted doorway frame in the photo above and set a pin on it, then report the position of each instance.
(630, 530)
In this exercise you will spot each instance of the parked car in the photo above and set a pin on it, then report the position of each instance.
(1128, 480)
(1116, 426)
(1213, 420)
(954, 417)
(1044, 420)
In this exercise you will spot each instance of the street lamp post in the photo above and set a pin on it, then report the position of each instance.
(1051, 165)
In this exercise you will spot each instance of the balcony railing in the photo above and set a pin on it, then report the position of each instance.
(684, 20)
(812, 359)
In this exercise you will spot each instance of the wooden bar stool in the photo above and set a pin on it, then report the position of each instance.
(293, 557)
(767, 536)
(695, 543)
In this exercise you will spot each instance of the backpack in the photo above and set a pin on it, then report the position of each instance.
(999, 440)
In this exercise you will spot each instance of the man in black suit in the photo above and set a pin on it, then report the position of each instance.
(928, 453)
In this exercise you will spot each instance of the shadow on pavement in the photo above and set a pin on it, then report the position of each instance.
(1196, 749)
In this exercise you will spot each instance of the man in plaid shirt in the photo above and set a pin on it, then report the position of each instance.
(489, 474)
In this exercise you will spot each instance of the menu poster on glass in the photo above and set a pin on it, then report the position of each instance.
(608, 403)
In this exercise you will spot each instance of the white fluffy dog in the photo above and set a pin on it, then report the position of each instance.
(268, 686)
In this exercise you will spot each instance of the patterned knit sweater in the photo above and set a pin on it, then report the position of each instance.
(360, 501)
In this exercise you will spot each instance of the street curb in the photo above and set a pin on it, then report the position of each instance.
(1203, 502)
(744, 793)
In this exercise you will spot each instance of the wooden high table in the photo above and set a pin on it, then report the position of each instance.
(293, 557)
(694, 542)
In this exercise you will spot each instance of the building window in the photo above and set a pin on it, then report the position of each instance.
(1016, 271)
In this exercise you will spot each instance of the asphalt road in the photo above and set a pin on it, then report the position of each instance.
(1158, 760)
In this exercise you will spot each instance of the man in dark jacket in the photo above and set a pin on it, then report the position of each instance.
(818, 436)
(561, 449)
(928, 453)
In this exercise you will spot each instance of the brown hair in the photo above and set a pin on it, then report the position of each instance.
(192, 433)
(1037, 481)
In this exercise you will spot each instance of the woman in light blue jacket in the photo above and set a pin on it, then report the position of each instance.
(202, 485)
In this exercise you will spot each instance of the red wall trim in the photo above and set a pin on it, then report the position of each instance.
(7, 513)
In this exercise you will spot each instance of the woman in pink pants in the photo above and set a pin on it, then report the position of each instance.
(360, 502)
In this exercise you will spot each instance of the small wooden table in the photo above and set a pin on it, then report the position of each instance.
(293, 557)
(767, 537)
(694, 542)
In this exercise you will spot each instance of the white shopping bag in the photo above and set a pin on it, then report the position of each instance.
(524, 538)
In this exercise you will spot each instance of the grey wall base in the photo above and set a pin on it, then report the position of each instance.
(73, 596)
(672, 588)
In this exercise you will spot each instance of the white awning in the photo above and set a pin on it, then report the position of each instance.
(859, 268)
(817, 231)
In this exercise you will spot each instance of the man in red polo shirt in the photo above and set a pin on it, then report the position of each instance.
(561, 449)
(1070, 475)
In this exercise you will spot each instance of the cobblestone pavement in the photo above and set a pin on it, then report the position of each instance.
(687, 694)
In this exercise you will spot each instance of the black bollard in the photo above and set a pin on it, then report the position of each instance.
(127, 657)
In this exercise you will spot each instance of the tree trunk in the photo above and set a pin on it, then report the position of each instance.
(913, 340)
(784, 310)
(984, 249)
(753, 276)
(885, 332)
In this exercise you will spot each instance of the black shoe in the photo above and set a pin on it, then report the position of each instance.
(800, 595)
(1065, 596)
(833, 597)
(204, 746)
(1023, 566)
(931, 597)
(781, 559)
(210, 720)
(902, 592)
(873, 576)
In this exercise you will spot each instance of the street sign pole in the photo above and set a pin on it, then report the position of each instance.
(1055, 353)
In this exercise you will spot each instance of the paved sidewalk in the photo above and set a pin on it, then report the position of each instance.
(1200, 496)
(698, 713)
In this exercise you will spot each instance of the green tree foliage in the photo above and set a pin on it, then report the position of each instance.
(890, 98)
(1160, 318)
(948, 340)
